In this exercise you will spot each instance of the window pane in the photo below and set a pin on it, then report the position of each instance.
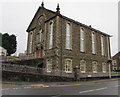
(68, 36)
(30, 45)
(82, 66)
(82, 45)
(102, 45)
(82, 40)
(51, 36)
(94, 67)
(68, 66)
(104, 68)
(40, 35)
(49, 66)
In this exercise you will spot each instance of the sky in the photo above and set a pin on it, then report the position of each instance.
(102, 15)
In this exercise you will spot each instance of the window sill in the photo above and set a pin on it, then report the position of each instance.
(94, 72)
(94, 54)
(68, 71)
(82, 51)
(83, 72)
(104, 72)
(49, 71)
(69, 49)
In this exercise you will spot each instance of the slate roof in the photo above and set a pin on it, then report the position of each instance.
(69, 19)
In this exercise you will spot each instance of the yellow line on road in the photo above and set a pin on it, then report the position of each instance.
(43, 85)
(81, 84)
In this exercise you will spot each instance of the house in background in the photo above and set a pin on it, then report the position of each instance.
(3, 51)
(116, 62)
(65, 44)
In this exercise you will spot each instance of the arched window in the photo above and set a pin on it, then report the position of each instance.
(68, 36)
(82, 40)
(93, 43)
(82, 66)
(50, 45)
(39, 36)
(49, 65)
(94, 67)
(104, 68)
(30, 45)
(102, 45)
(68, 66)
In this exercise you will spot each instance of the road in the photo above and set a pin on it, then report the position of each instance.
(101, 87)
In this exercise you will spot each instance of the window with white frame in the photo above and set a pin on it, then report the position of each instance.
(49, 65)
(102, 45)
(82, 66)
(50, 45)
(68, 36)
(94, 67)
(93, 43)
(114, 68)
(82, 40)
(30, 46)
(114, 62)
(40, 35)
(104, 67)
(68, 66)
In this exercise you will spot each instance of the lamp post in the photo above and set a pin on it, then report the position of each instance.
(109, 62)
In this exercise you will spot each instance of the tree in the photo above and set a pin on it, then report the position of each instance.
(9, 43)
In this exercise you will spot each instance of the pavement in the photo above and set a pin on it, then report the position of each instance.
(99, 87)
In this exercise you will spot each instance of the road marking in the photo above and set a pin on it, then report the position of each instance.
(42, 85)
(27, 87)
(45, 86)
(15, 88)
(101, 88)
(5, 89)
(86, 83)
(117, 86)
(93, 90)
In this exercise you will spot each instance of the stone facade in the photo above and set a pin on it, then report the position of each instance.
(116, 62)
(58, 54)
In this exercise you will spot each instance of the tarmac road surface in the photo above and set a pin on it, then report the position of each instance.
(101, 87)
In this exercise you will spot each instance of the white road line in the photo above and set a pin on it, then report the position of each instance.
(5, 89)
(93, 90)
(27, 87)
(101, 88)
(87, 91)
(45, 86)
(15, 88)
(36, 87)
(117, 86)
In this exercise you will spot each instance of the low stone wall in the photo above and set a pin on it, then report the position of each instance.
(17, 76)
(30, 62)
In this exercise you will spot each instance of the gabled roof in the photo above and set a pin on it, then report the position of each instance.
(35, 17)
(117, 54)
(76, 22)
(64, 17)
